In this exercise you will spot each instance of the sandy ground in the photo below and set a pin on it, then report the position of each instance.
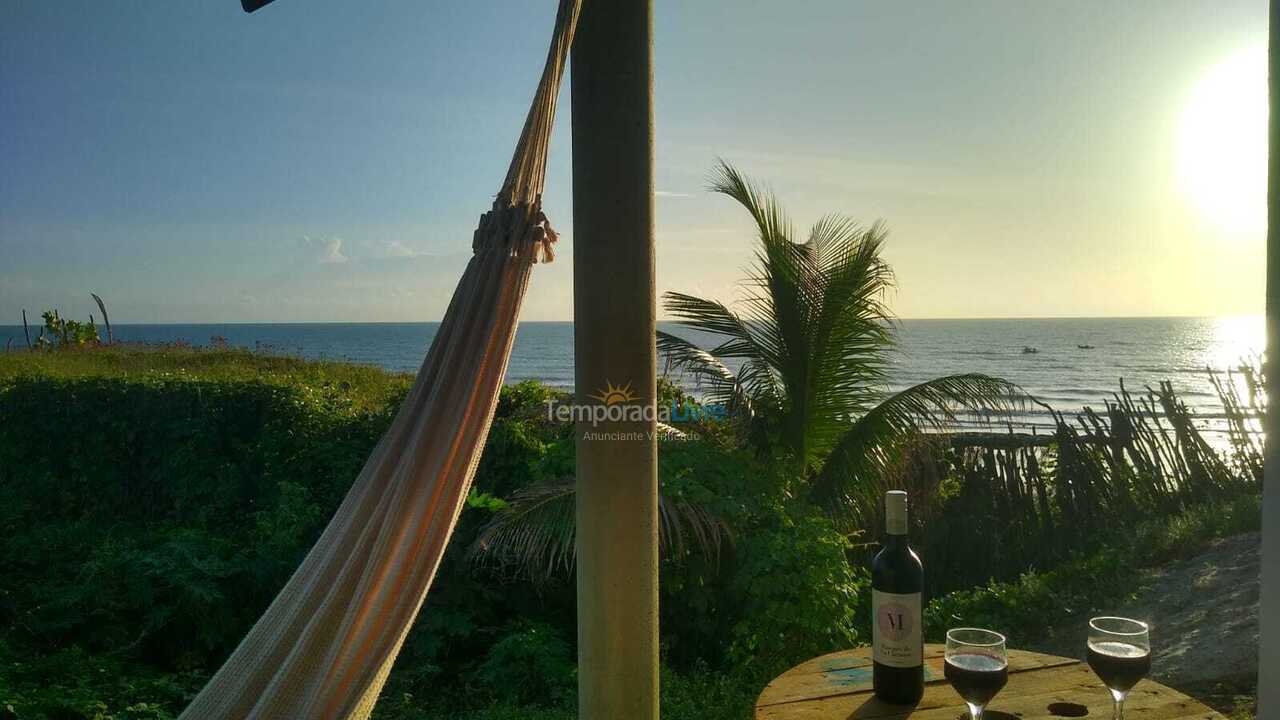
(1204, 620)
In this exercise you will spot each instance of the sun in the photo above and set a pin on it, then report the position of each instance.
(1222, 143)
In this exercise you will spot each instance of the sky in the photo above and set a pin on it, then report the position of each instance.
(327, 161)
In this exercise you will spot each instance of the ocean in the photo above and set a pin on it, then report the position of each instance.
(1079, 361)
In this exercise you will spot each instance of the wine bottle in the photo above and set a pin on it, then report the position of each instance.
(897, 635)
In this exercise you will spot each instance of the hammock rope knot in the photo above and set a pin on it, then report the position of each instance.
(520, 229)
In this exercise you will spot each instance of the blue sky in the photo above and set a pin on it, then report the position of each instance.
(323, 160)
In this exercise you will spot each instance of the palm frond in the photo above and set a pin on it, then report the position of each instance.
(687, 528)
(868, 444)
(742, 339)
(107, 320)
(775, 307)
(830, 236)
(534, 535)
(852, 330)
(770, 219)
(721, 385)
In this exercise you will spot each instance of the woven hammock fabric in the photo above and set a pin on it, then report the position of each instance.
(324, 647)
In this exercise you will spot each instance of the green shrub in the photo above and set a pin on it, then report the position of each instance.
(1036, 600)
(154, 500)
(72, 683)
(706, 694)
(60, 332)
(797, 592)
(532, 665)
(167, 512)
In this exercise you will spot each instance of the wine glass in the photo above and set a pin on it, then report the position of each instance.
(977, 664)
(1120, 654)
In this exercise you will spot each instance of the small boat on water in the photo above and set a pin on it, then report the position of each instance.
(1085, 347)
(1028, 350)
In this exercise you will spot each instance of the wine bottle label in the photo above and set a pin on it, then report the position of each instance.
(896, 632)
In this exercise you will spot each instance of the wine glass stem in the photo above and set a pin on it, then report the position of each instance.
(975, 711)
(1118, 712)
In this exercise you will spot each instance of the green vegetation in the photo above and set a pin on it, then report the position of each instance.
(531, 531)
(1042, 500)
(357, 388)
(1026, 606)
(63, 332)
(153, 499)
(151, 502)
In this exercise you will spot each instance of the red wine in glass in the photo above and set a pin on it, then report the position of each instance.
(977, 664)
(976, 677)
(1119, 651)
(1120, 665)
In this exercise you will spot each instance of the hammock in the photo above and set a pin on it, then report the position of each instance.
(324, 647)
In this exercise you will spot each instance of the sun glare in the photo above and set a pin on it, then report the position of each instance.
(1236, 340)
(1222, 143)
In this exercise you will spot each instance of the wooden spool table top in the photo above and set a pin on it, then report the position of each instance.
(838, 687)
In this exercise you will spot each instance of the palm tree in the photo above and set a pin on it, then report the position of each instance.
(813, 345)
(812, 348)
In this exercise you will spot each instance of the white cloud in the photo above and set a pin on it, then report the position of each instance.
(326, 251)
(671, 194)
(395, 248)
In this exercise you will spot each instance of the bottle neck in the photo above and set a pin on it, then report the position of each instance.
(895, 541)
(895, 514)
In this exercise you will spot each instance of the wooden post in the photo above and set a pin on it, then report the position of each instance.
(614, 313)
(1269, 605)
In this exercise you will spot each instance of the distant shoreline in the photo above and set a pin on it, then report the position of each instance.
(1051, 318)
(1069, 363)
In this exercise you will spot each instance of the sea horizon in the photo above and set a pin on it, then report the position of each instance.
(1068, 362)
(34, 320)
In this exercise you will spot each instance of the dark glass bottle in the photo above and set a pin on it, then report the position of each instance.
(897, 634)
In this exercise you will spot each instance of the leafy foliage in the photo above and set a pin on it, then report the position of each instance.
(60, 332)
(171, 491)
(533, 532)
(154, 499)
(1024, 607)
(993, 506)
(799, 593)
(813, 344)
(531, 665)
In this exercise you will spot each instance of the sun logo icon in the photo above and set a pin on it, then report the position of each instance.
(614, 394)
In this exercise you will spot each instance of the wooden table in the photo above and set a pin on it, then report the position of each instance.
(838, 687)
